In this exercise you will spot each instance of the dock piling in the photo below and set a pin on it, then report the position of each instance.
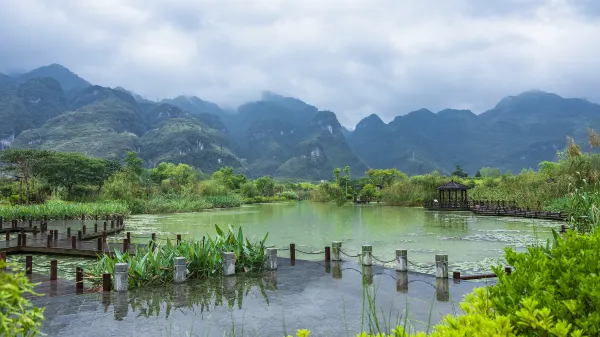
(271, 258)
(441, 266)
(336, 247)
(49, 241)
(79, 279)
(327, 254)
(228, 263)
(179, 275)
(401, 260)
(121, 275)
(292, 254)
(28, 264)
(106, 282)
(100, 246)
(367, 255)
(79, 235)
(73, 242)
(53, 270)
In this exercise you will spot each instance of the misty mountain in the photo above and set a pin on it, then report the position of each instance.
(53, 108)
(519, 132)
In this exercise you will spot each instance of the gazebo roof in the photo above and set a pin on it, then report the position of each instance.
(453, 185)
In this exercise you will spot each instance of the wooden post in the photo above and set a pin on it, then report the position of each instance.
(106, 282)
(508, 270)
(3, 256)
(154, 238)
(7, 235)
(74, 242)
(79, 279)
(327, 253)
(23, 240)
(53, 270)
(456, 276)
(28, 264)
(104, 225)
(125, 245)
(100, 246)
(83, 229)
(292, 254)
(104, 236)
(49, 242)
(79, 235)
(95, 228)
(128, 236)
(68, 231)
(18, 239)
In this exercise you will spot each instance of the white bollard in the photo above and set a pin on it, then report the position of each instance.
(121, 276)
(179, 275)
(441, 266)
(228, 263)
(336, 249)
(271, 258)
(401, 260)
(367, 255)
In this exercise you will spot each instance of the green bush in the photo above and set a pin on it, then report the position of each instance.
(18, 316)
(290, 195)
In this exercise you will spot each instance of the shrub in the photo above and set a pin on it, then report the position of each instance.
(290, 195)
(18, 316)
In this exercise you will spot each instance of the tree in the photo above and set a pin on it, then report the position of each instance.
(490, 172)
(459, 172)
(226, 176)
(68, 169)
(25, 163)
(385, 177)
(133, 164)
(266, 186)
(368, 192)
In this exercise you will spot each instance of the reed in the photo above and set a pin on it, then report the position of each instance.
(63, 210)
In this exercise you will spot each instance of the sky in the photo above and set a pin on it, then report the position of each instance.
(352, 57)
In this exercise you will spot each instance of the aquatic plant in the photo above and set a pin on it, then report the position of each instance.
(63, 210)
(153, 264)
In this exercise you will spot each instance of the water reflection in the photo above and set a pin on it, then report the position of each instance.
(202, 295)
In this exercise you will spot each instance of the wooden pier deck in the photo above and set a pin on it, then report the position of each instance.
(558, 216)
(79, 242)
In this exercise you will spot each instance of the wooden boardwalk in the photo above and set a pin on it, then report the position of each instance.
(558, 216)
(80, 242)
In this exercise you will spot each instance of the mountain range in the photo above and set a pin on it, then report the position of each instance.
(53, 108)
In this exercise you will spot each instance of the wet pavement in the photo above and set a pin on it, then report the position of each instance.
(328, 299)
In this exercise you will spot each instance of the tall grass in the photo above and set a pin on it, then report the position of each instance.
(180, 204)
(63, 210)
(203, 258)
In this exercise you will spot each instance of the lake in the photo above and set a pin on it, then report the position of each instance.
(472, 243)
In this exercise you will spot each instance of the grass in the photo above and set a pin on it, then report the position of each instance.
(179, 204)
(53, 210)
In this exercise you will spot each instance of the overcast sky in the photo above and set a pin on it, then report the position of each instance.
(353, 57)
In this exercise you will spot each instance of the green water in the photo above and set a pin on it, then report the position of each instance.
(472, 243)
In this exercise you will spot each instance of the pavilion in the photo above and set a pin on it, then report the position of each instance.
(453, 196)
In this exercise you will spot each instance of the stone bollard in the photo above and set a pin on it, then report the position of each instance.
(402, 281)
(336, 248)
(441, 266)
(271, 259)
(180, 270)
(367, 255)
(228, 263)
(401, 260)
(121, 275)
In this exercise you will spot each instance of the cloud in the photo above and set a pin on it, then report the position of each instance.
(354, 57)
